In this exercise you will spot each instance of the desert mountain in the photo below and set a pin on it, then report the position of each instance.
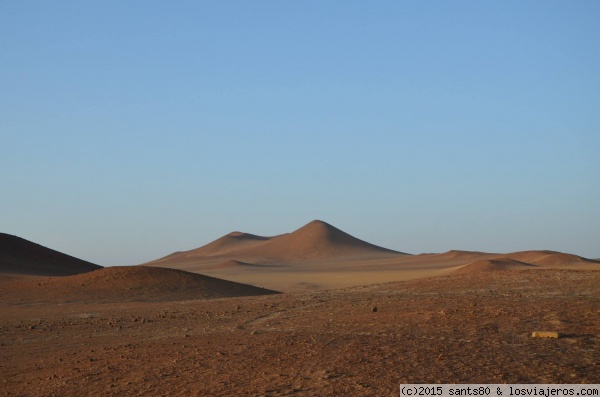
(319, 255)
(316, 240)
(20, 256)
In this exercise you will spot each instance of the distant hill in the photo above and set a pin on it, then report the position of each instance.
(488, 265)
(314, 240)
(548, 258)
(525, 260)
(317, 239)
(20, 256)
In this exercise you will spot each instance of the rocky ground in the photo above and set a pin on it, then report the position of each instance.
(363, 341)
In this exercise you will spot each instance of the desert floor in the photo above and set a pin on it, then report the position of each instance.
(359, 341)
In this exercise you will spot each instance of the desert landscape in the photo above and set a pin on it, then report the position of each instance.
(313, 312)
(297, 198)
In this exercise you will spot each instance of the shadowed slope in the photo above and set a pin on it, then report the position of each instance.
(127, 283)
(233, 264)
(20, 256)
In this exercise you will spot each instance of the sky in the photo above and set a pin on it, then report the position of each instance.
(133, 129)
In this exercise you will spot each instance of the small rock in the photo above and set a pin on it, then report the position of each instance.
(374, 309)
(545, 334)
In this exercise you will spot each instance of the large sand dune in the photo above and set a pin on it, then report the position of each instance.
(319, 256)
(318, 240)
(20, 256)
(314, 240)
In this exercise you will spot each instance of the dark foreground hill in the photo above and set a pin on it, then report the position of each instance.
(20, 256)
(125, 284)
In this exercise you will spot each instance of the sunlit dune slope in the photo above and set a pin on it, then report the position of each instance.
(317, 240)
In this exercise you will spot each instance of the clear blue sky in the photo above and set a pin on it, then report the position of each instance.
(132, 129)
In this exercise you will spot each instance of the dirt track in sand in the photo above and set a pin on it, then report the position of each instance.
(471, 328)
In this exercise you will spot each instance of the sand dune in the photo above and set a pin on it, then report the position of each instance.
(549, 258)
(128, 330)
(231, 242)
(322, 256)
(317, 239)
(528, 260)
(488, 265)
(126, 283)
(20, 256)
